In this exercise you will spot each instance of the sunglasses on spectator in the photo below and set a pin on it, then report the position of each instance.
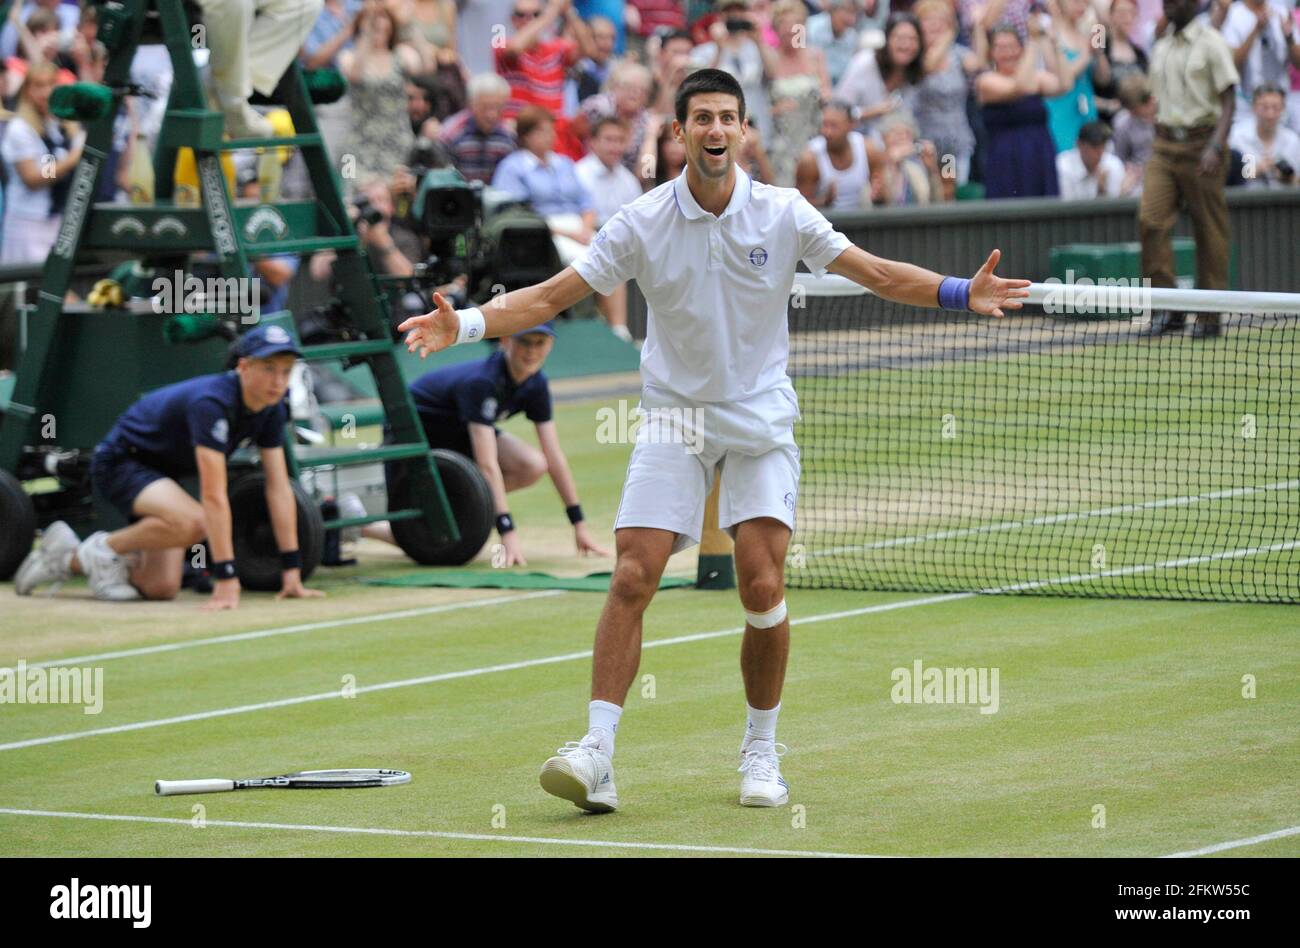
(527, 14)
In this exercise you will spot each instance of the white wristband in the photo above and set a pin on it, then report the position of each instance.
(473, 326)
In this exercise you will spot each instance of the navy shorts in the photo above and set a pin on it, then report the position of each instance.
(118, 475)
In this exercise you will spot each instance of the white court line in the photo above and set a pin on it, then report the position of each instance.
(437, 834)
(289, 630)
(1144, 568)
(450, 676)
(475, 837)
(1059, 518)
(1236, 843)
(696, 637)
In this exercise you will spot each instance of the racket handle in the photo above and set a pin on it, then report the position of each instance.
(167, 788)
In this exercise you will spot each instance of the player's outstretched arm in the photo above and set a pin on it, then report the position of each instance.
(985, 293)
(504, 316)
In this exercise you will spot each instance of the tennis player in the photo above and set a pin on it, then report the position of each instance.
(714, 254)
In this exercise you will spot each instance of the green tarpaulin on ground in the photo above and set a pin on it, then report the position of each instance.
(500, 579)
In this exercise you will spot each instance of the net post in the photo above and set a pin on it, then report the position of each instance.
(717, 569)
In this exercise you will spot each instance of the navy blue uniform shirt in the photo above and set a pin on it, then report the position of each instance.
(481, 391)
(166, 425)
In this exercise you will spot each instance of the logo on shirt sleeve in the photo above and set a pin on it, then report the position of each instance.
(221, 430)
(490, 409)
(758, 257)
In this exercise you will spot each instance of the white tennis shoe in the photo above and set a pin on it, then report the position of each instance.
(582, 773)
(109, 573)
(51, 562)
(762, 783)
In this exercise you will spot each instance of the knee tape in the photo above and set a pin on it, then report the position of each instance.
(767, 620)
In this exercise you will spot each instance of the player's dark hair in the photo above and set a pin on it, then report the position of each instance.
(704, 81)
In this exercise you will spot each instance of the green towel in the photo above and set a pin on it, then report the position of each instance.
(501, 579)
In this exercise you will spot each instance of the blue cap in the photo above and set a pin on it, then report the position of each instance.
(546, 328)
(266, 341)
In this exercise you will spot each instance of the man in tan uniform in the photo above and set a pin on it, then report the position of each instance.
(1194, 79)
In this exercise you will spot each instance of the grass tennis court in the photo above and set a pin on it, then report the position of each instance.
(1133, 706)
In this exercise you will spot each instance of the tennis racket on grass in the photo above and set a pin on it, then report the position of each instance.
(302, 780)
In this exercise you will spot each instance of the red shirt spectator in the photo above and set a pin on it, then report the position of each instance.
(536, 76)
(657, 13)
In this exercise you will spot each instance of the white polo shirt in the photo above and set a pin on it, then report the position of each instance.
(717, 288)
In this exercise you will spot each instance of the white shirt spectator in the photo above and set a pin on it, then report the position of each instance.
(717, 288)
(839, 50)
(611, 189)
(745, 62)
(1266, 63)
(1259, 158)
(1078, 185)
(853, 184)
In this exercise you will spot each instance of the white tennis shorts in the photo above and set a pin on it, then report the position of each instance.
(680, 444)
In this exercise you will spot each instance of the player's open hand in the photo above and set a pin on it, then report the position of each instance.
(433, 331)
(990, 294)
(291, 587)
(586, 545)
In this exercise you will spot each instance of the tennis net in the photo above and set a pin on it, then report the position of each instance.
(1056, 455)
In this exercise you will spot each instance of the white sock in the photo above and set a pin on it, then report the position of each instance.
(762, 724)
(603, 716)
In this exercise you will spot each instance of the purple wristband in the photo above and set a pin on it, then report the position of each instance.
(954, 293)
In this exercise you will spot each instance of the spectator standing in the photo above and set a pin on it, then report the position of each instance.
(644, 17)
(835, 32)
(1269, 150)
(1120, 57)
(881, 81)
(1194, 79)
(35, 193)
(735, 46)
(376, 70)
(612, 12)
(799, 86)
(1021, 159)
(942, 95)
(1262, 37)
(1076, 105)
(611, 186)
(476, 138)
(533, 60)
(333, 33)
(629, 94)
(591, 73)
(672, 63)
(1088, 170)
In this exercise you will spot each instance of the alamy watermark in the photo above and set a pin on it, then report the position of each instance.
(626, 423)
(54, 685)
(1085, 296)
(217, 296)
(935, 685)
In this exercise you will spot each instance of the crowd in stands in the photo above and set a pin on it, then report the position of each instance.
(567, 104)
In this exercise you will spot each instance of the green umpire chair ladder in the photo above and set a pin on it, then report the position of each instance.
(164, 233)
